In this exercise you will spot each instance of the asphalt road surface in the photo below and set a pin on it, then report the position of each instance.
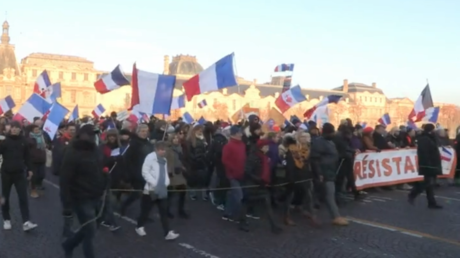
(384, 225)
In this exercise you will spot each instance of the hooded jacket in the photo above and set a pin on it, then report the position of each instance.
(16, 154)
(81, 176)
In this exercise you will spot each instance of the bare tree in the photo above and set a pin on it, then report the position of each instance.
(220, 110)
(356, 111)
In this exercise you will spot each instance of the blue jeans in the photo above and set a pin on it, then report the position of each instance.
(234, 197)
(85, 212)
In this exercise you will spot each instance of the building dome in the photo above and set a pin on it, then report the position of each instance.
(7, 55)
(184, 64)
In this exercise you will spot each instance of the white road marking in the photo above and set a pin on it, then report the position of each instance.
(436, 196)
(132, 221)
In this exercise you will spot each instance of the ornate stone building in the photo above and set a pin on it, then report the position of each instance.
(360, 102)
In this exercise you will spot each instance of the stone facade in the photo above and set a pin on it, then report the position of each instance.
(360, 102)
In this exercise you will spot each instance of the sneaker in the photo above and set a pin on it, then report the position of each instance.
(340, 221)
(212, 198)
(141, 231)
(105, 224)
(252, 216)
(28, 226)
(227, 218)
(171, 235)
(221, 207)
(114, 228)
(204, 198)
(6, 225)
(34, 194)
(193, 198)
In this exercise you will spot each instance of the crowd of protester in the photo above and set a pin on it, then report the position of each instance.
(106, 165)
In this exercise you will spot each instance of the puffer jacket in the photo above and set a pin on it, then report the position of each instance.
(325, 158)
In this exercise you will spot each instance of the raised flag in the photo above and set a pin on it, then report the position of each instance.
(201, 121)
(284, 68)
(57, 113)
(289, 98)
(178, 102)
(328, 100)
(6, 104)
(187, 118)
(42, 83)
(98, 111)
(111, 81)
(53, 92)
(74, 115)
(423, 102)
(152, 92)
(429, 115)
(35, 106)
(385, 119)
(218, 76)
(202, 103)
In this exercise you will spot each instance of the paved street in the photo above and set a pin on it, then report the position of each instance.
(384, 225)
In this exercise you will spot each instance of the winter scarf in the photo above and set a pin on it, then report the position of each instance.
(161, 190)
(39, 139)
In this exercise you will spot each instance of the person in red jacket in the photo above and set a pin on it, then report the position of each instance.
(234, 159)
(256, 179)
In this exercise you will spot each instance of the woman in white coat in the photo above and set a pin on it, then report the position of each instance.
(155, 174)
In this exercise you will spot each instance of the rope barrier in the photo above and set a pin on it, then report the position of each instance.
(230, 188)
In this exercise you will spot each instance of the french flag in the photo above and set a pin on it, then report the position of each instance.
(446, 155)
(289, 98)
(430, 115)
(6, 104)
(320, 114)
(53, 92)
(42, 83)
(137, 116)
(98, 111)
(385, 120)
(152, 92)
(178, 102)
(187, 118)
(111, 81)
(35, 106)
(55, 117)
(74, 115)
(423, 102)
(201, 121)
(202, 103)
(411, 125)
(284, 68)
(218, 76)
(328, 100)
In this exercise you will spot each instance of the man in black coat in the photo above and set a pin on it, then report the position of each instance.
(429, 163)
(16, 161)
(82, 185)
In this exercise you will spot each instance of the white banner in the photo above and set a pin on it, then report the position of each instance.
(391, 167)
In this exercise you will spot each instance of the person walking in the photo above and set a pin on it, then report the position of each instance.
(16, 161)
(82, 186)
(430, 166)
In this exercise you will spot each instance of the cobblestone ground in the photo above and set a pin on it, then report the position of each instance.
(383, 225)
